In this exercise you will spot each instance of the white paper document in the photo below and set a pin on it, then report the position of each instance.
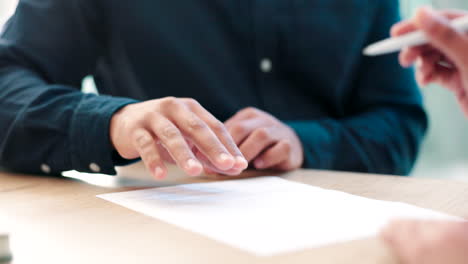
(269, 215)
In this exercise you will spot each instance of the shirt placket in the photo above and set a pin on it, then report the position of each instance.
(266, 47)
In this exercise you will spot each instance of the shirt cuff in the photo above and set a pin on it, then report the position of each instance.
(91, 147)
(316, 142)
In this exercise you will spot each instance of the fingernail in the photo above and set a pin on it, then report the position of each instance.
(224, 162)
(158, 173)
(241, 162)
(193, 164)
(259, 163)
(224, 158)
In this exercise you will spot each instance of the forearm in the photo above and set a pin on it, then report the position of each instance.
(47, 124)
(53, 125)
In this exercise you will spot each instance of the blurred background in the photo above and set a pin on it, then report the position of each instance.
(445, 151)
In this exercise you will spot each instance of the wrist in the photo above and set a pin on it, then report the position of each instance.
(114, 127)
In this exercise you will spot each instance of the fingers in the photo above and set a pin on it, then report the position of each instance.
(430, 70)
(145, 144)
(423, 241)
(408, 26)
(401, 236)
(402, 28)
(247, 113)
(397, 230)
(260, 139)
(167, 129)
(251, 129)
(428, 67)
(445, 77)
(175, 144)
(442, 35)
(274, 156)
(266, 141)
(409, 55)
(210, 169)
(200, 134)
(222, 133)
(242, 129)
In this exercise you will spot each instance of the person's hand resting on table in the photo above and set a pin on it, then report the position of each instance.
(175, 130)
(265, 141)
(428, 242)
(446, 45)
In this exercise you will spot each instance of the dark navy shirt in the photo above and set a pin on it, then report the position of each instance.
(299, 60)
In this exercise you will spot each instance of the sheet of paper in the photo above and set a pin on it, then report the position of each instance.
(268, 215)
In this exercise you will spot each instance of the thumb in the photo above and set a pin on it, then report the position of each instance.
(441, 34)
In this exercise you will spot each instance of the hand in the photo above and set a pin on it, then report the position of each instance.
(172, 130)
(265, 141)
(428, 242)
(446, 44)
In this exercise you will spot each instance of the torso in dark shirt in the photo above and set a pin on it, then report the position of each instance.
(294, 59)
(299, 60)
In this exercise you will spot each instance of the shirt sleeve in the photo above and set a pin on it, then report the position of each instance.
(386, 121)
(47, 123)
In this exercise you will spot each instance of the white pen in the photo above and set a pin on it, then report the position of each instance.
(411, 39)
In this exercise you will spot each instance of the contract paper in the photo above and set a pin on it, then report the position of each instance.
(269, 215)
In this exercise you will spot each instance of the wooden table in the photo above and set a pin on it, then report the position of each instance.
(59, 220)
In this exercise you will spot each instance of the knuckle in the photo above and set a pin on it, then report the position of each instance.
(169, 133)
(195, 124)
(287, 147)
(179, 151)
(251, 110)
(262, 134)
(218, 127)
(148, 115)
(169, 102)
(151, 159)
(192, 102)
(214, 150)
(142, 138)
(239, 129)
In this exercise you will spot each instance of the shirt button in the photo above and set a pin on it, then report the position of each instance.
(45, 168)
(94, 167)
(266, 65)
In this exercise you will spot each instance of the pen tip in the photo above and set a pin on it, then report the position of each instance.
(367, 52)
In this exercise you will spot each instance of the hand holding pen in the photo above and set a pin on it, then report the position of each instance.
(437, 42)
(447, 44)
